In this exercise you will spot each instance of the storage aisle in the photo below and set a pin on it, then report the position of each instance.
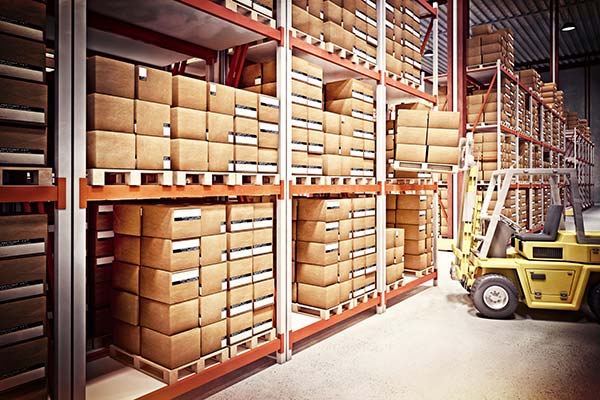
(434, 346)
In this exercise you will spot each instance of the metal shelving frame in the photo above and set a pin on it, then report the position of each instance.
(580, 155)
(71, 193)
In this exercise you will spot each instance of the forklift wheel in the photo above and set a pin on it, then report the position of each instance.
(495, 296)
(594, 301)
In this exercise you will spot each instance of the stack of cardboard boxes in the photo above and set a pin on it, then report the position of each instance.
(492, 111)
(403, 39)
(334, 243)
(486, 151)
(100, 256)
(425, 136)
(394, 255)
(487, 45)
(531, 79)
(414, 214)
(23, 326)
(189, 281)
(24, 95)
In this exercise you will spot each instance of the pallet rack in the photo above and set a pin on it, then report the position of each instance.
(580, 155)
(112, 27)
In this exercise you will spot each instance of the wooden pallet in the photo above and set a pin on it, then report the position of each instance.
(419, 273)
(363, 62)
(308, 39)
(252, 343)
(363, 298)
(322, 312)
(394, 285)
(333, 48)
(183, 178)
(129, 177)
(424, 166)
(25, 176)
(332, 180)
(248, 12)
(167, 375)
(410, 181)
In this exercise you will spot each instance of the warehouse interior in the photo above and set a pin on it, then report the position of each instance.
(299, 199)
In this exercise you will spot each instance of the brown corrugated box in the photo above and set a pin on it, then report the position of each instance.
(251, 75)
(442, 155)
(171, 222)
(323, 210)
(153, 85)
(23, 145)
(220, 98)
(214, 337)
(22, 320)
(245, 158)
(127, 249)
(240, 217)
(127, 219)
(170, 351)
(29, 278)
(214, 219)
(152, 152)
(126, 336)
(189, 155)
(219, 128)
(186, 92)
(239, 300)
(246, 104)
(125, 307)
(345, 270)
(412, 118)
(240, 272)
(108, 76)
(268, 109)
(220, 157)
(262, 241)
(239, 327)
(213, 249)
(316, 253)
(24, 18)
(169, 319)
(23, 101)
(262, 267)
(417, 262)
(409, 135)
(411, 152)
(188, 124)
(414, 232)
(213, 279)
(212, 308)
(414, 202)
(170, 255)
(110, 150)
(415, 247)
(263, 294)
(263, 319)
(126, 277)
(22, 358)
(109, 113)
(318, 275)
(349, 88)
(168, 287)
(321, 297)
(317, 231)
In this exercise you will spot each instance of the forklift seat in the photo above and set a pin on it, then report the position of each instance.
(550, 231)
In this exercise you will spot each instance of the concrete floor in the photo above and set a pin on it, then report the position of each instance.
(433, 345)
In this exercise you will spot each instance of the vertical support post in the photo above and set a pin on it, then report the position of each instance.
(554, 32)
(63, 330)
(380, 132)
(434, 255)
(436, 57)
(283, 206)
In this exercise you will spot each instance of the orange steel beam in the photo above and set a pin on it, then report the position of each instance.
(487, 96)
(428, 7)
(409, 89)
(426, 38)
(27, 194)
(123, 192)
(296, 336)
(208, 375)
(226, 14)
(406, 187)
(333, 58)
(321, 189)
(411, 285)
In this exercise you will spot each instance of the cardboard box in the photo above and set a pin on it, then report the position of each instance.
(412, 118)
(239, 327)
(169, 319)
(306, 22)
(262, 267)
(349, 88)
(323, 210)
(320, 297)
(189, 155)
(108, 76)
(22, 320)
(331, 123)
(170, 255)
(415, 247)
(334, 33)
(299, 139)
(415, 262)
(246, 131)
(23, 235)
(251, 75)
(171, 222)
(125, 277)
(299, 163)
(332, 165)
(245, 158)
(263, 215)
(127, 219)
(263, 294)
(220, 157)
(413, 217)
(414, 202)
(351, 107)
(219, 128)
(269, 72)
(262, 240)
(240, 217)
(186, 92)
(220, 98)
(318, 275)
(110, 150)
(317, 253)
(263, 320)
(317, 231)
(23, 145)
(213, 249)
(345, 230)
(23, 101)
(358, 286)
(345, 269)
(411, 152)
(23, 362)
(444, 120)
(213, 279)
(268, 135)
(213, 337)
(345, 250)
(153, 85)
(152, 152)
(25, 18)
(125, 307)
(170, 351)
(152, 119)
(239, 245)
(212, 308)
(414, 232)
(443, 155)
(408, 135)
(188, 124)
(126, 336)
(331, 143)
(442, 137)
(109, 113)
(316, 142)
(246, 104)
(214, 219)
(168, 287)
(239, 300)
(28, 279)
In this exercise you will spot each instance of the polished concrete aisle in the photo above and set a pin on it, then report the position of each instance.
(433, 345)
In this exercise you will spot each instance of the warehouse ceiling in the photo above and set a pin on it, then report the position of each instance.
(530, 23)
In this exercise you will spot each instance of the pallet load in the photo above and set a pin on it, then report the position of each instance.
(403, 40)
(485, 151)
(259, 10)
(531, 79)
(414, 214)
(492, 111)
(394, 256)
(335, 261)
(487, 45)
(191, 284)
(424, 137)
(23, 326)
(24, 95)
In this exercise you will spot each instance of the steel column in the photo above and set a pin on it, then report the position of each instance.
(554, 40)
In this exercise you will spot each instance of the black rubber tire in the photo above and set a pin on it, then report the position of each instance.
(594, 301)
(484, 282)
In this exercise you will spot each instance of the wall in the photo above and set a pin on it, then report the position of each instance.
(573, 83)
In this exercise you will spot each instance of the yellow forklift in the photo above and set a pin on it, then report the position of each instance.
(554, 269)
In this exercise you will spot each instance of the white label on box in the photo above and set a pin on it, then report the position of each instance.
(359, 213)
(246, 138)
(371, 4)
(332, 204)
(359, 272)
(314, 103)
(223, 255)
(316, 148)
(192, 214)
(263, 302)
(223, 227)
(166, 162)
(359, 33)
(243, 252)
(22, 247)
(356, 172)
(358, 233)
(371, 21)
(389, 24)
(369, 135)
(106, 208)
(422, 213)
(105, 234)
(356, 153)
(369, 288)
(315, 81)
(166, 129)
(179, 246)
(299, 76)
(422, 227)
(28, 289)
(269, 101)
(370, 269)
(241, 225)
(213, 89)
(262, 275)
(268, 127)
(359, 292)
(369, 154)
(239, 336)
(330, 247)
(240, 308)
(258, 80)
(370, 250)
(224, 313)
(369, 231)
(389, 7)
(372, 40)
(246, 166)
(224, 342)
(224, 283)
(241, 280)
(423, 198)
(262, 249)
(104, 260)
(22, 378)
(263, 326)
(142, 73)
(359, 253)
(358, 133)
(360, 15)
(300, 146)
(263, 223)
(315, 170)
(314, 125)
(299, 123)
(7, 112)
(179, 278)
(299, 99)
(299, 170)
(332, 226)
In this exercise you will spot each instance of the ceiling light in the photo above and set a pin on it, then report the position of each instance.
(428, 53)
(568, 27)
